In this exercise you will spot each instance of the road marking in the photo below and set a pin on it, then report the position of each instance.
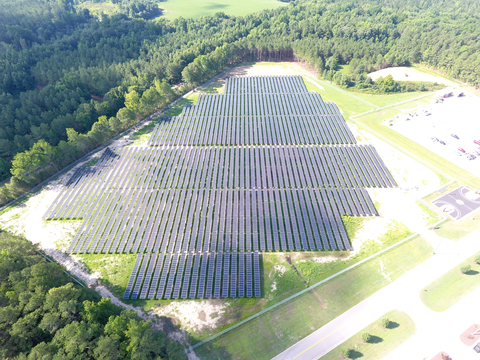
(319, 341)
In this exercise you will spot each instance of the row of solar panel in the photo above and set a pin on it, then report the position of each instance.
(257, 105)
(218, 220)
(194, 275)
(270, 130)
(265, 84)
(78, 182)
(233, 168)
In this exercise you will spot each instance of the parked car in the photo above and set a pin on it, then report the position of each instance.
(473, 156)
(476, 142)
(477, 348)
(460, 149)
(477, 152)
(456, 137)
(434, 139)
(441, 142)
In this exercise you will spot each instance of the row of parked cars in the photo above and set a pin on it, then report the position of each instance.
(461, 151)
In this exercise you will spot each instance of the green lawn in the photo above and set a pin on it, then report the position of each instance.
(196, 8)
(176, 109)
(429, 215)
(141, 136)
(455, 230)
(113, 269)
(452, 286)
(276, 330)
(97, 8)
(383, 340)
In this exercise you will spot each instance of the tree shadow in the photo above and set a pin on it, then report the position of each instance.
(471, 272)
(393, 325)
(354, 354)
(375, 339)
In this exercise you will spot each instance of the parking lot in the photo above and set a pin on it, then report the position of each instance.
(454, 124)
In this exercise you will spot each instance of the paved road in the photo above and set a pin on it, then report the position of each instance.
(435, 332)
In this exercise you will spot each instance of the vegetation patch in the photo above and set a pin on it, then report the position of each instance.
(429, 215)
(452, 286)
(376, 340)
(272, 332)
(113, 270)
(197, 8)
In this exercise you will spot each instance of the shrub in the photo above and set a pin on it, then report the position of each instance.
(366, 337)
(346, 352)
(385, 323)
(477, 259)
(465, 269)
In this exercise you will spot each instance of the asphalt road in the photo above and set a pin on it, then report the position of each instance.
(435, 332)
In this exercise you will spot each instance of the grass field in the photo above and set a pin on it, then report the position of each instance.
(429, 215)
(383, 340)
(452, 286)
(276, 330)
(196, 8)
(106, 7)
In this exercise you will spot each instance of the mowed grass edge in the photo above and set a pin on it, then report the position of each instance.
(383, 341)
(271, 333)
(451, 287)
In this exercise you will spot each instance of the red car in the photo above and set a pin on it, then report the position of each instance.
(476, 142)
(460, 149)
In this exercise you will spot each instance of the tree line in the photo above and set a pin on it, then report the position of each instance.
(45, 315)
(78, 80)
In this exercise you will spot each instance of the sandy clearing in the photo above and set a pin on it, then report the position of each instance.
(194, 315)
(399, 74)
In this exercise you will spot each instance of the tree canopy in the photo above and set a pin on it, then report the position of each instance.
(65, 72)
(45, 315)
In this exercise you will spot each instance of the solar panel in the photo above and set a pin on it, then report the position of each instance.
(133, 276)
(256, 274)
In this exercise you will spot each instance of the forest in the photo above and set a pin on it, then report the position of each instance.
(69, 80)
(44, 314)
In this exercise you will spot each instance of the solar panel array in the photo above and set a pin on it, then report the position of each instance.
(283, 170)
(196, 274)
(256, 111)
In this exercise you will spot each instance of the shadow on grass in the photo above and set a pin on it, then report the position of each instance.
(375, 339)
(393, 325)
(355, 354)
(471, 272)
(210, 351)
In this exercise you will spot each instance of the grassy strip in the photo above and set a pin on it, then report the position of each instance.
(176, 109)
(276, 330)
(429, 215)
(113, 269)
(455, 230)
(313, 273)
(382, 342)
(452, 286)
(141, 136)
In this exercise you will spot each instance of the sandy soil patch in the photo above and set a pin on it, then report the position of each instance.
(400, 74)
(194, 315)
(371, 230)
(280, 269)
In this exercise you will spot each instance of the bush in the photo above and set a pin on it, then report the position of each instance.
(477, 259)
(346, 352)
(366, 337)
(465, 269)
(385, 323)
